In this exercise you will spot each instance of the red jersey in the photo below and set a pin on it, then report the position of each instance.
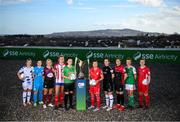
(143, 73)
(119, 70)
(59, 73)
(95, 74)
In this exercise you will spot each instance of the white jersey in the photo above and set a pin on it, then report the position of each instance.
(59, 73)
(28, 73)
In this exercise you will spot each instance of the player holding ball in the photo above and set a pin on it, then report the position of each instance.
(25, 74)
(96, 76)
(69, 75)
(130, 77)
(143, 84)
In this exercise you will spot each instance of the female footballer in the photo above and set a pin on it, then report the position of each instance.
(38, 72)
(25, 74)
(48, 83)
(130, 77)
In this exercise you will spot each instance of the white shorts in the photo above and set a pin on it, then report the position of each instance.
(130, 87)
(27, 85)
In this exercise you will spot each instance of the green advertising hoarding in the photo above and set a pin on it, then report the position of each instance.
(152, 55)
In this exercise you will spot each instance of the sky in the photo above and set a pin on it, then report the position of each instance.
(48, 16)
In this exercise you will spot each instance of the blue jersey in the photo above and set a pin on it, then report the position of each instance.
(38, 78)
(38, 73)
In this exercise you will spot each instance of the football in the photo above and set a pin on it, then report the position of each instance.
(73, 76)
(145, 82)
(22, 76)
(92, 82)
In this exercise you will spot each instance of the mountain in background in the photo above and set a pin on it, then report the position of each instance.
(103, 33)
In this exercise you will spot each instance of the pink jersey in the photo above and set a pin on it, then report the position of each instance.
(143, 73)
(59, 73)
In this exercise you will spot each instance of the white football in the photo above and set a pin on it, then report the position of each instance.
(92, 82)
(145, 82)
(22, 76)
(73, 76)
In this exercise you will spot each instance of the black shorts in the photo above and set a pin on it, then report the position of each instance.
(49, 83)
(68, 87)
(108, 86)
(118, 86)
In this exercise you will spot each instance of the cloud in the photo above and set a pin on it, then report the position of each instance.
(69, 2)
(151, 3)
(166, 20)
(13, 1)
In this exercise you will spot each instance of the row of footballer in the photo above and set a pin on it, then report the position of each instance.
(61, 78)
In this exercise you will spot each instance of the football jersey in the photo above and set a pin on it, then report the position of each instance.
(38, 71)
(107, 72)
(130, 71)
(95, 74)
(28, 76)
(67, 71)
(48, 73)
(143, 73)
(59, 73)
(119, 73)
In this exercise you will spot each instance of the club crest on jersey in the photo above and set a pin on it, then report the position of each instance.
(50, 75)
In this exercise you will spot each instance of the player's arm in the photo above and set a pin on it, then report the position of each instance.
(135, 76)
(89, 74)
(125, 76)
(19, 75)
(64, 73)
(112, 73)
(44, 73)
(135, 73)
(102, 77)
(67, 77)
(33, 73)
(55, 70)
(149, 75)
(64, 76)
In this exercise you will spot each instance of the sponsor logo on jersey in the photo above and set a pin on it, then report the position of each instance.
(81, 85)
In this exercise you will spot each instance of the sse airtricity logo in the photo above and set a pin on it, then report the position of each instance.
(137, 56)
(89, 54)
(5, 53)
(46, 54)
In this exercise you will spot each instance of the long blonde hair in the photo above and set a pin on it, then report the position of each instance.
(49, 60)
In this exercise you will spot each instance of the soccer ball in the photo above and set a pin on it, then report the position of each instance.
(92, 82)
(145, 82)
(22, 76)
(73, 76)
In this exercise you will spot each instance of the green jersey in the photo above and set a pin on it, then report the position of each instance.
(67, 71)
(130, 71)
